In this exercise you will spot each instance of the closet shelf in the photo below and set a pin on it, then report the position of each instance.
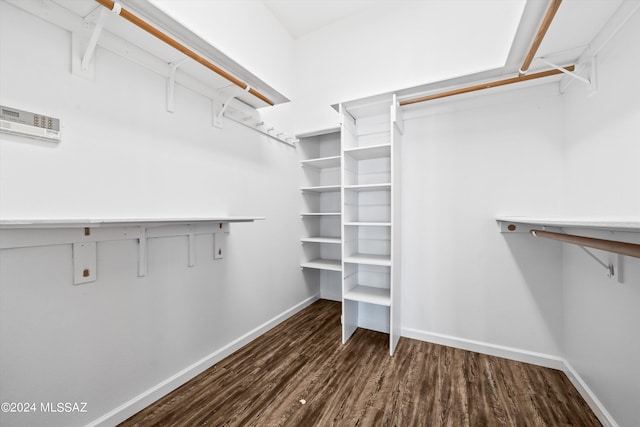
(323, 162)
(85, 234)
(369, 152)
(323, 264)
(371, 295)
(367, 224)
(331, 240)
(368, 187)
(383, 260)
(115, 222)
(320, 214)
(321, 189)
(523, 224)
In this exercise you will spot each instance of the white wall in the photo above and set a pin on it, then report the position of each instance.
(603, 179)
(123, 155)
(464, 163)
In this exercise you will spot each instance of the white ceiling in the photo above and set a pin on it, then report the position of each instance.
(300, 17)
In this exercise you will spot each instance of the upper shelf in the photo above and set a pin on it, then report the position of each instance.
(510, 223)
(115, 222)
(323, 162)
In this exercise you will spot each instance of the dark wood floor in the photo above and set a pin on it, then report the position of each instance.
(358, 384)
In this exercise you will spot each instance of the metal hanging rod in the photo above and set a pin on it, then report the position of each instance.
(113, 6)
(518, 79)
(622, 248)
(544, 26)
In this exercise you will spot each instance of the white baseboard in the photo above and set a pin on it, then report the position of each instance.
(594, 403)
(540, 359)
(144, 399)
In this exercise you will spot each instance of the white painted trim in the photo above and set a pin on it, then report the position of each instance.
(589, 396)
(526, 356)
(144, 399)
(540, 359)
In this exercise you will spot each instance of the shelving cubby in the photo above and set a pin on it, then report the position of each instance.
(321, 211)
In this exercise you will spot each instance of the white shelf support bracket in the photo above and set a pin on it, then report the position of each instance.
(171, 83)
(97, 30)
(593, 75)
(619, 262)
(567, 72)
(84, 262)
(142, 252)
(192, 247)
(609, 267)
(219, 109)
(219, 240)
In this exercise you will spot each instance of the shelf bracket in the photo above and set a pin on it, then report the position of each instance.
(171, 83)
(142, 252)
(565, 71)
(218, 111)
(192, 246)
(95, 35)
(609, 267)
(84, 262)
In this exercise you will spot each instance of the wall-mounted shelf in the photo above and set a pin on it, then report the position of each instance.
(84, 234)
(528, 223)
(553, 228)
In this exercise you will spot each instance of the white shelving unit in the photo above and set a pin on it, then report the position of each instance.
(371, 136)
(321, 211)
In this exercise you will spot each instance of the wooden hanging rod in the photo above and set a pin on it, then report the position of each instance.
(182, 48)
(623, 248)
(518, 79)
(544, 26)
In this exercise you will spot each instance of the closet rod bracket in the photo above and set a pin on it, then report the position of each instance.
(171, 83)
(95, 35)
(571, 74)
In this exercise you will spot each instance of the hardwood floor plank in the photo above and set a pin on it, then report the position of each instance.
(300, 374)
